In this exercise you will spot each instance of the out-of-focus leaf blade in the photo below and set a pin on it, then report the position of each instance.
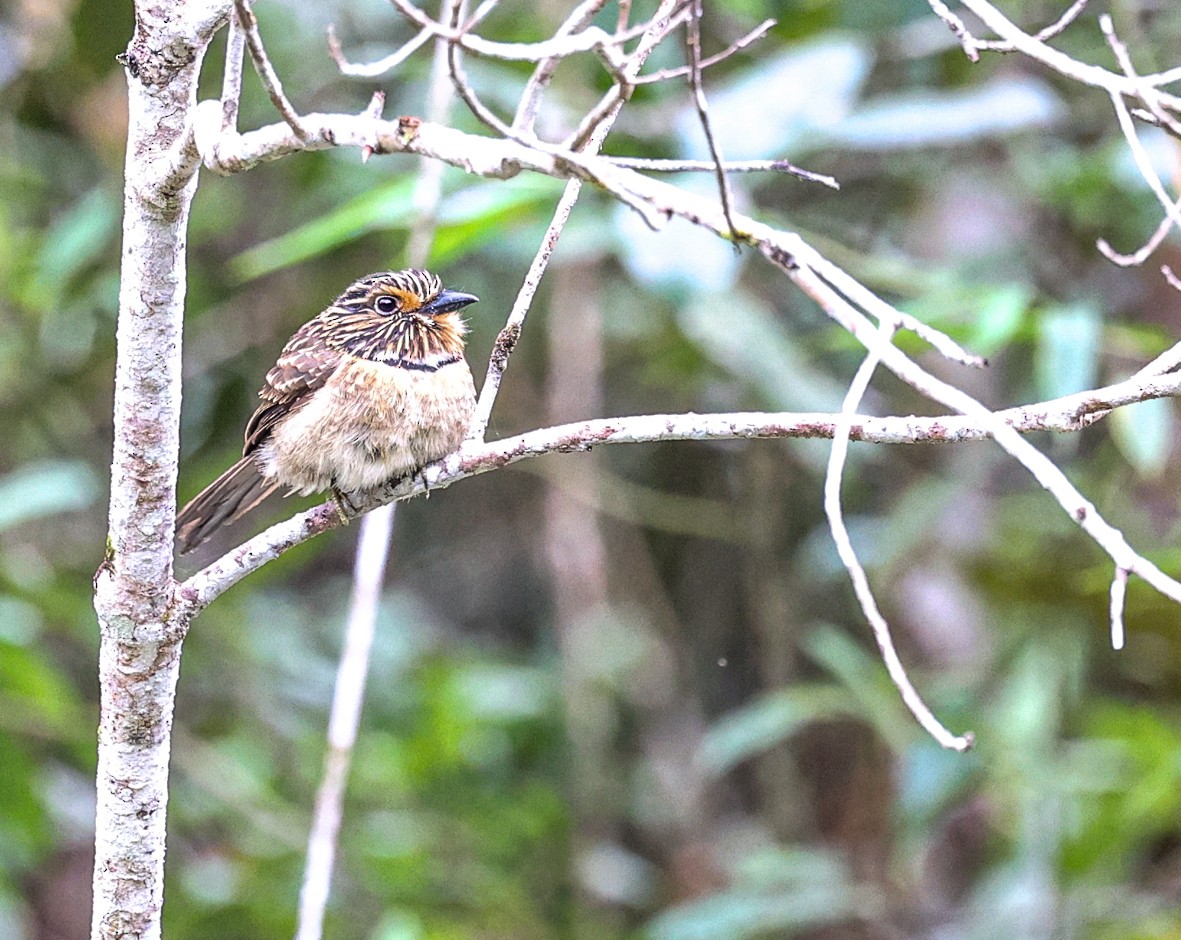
(1144, 433)
(942, 118)
(742, 336)
(1067, 357)
(784, 103)
(386, 206)
(763, 724)
(999, 318)
(468, 217)
(45, 489)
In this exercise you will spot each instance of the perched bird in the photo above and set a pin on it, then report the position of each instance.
(373, 388)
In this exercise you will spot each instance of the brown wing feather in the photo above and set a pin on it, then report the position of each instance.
(304, 365)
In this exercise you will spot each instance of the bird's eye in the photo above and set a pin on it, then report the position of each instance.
(386, 304)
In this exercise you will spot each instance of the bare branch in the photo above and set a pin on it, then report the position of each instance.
(1060, 62)
(693, 44)
(1143, 161)
(231, 79)
(506, 341)
(848, 555)
(592, 39)
(737, 46)
(266, 72)
(1174, 281)
(381, 66)
(730, 166)
(1119, 593)
(529, 103)
(348, 694)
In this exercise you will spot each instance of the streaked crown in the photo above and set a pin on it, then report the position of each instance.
(398, 316)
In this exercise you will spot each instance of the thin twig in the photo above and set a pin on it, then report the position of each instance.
(693, 44)
(464, 88)
(1049, 32)
(231, 78)
(266, 72)
(381, 66)
(737, 46)
(1128, 126)
(506, 341)
(619, 93)
(967, 41)
(730, 166)
(347, 697)
(848, 555)
(1119, 594)
(588, 40)
(1062, 63)
(529, 103)
(1174, 281)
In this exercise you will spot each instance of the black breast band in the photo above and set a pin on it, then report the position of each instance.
(419, 366)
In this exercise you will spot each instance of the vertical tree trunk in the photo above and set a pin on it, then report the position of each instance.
(134, 589)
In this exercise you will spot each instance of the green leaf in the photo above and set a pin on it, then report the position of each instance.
(767, 722)
(744, 337)
(468, 217)
(1144, 433)
(999, 318)
(1067, 357)
(386, 206)
(73, 242)
(45, 489)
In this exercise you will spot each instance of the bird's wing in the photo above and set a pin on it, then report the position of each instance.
(305, 364)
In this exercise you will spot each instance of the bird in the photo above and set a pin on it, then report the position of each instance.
(372, 389)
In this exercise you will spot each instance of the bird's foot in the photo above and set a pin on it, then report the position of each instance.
(344, 506)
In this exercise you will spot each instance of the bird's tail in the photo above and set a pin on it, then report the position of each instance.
(231, 495)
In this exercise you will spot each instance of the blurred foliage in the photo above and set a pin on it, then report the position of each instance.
(675, 725)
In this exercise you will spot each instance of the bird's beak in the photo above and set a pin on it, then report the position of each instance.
(446, 301)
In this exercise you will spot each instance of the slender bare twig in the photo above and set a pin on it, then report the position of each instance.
(1141, 254)
(970, 44)
(730, 166)
(347, 698)
(737, 46)
(480, 15)
(231, 78)
(592, 39)
(1043, 470)
(266, 71)
(1174, 281)
(506, 341)
(1064, 64)
(973, 46)
(383, 65)
(619, 93)
(693, 45)
(1049, 32)
(1143, 160)
(1119, 593)
(529, 102)
(848, 555)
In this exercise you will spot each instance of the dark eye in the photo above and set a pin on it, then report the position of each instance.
(386, 304)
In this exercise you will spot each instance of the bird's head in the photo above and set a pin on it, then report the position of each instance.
(399, 316)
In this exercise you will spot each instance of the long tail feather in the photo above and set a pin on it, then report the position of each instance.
(231, 495)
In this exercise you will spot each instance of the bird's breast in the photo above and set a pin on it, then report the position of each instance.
(370, 423)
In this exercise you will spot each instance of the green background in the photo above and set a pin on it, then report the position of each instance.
(627, 694)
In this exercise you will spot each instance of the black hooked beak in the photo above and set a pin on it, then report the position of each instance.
(446, 301)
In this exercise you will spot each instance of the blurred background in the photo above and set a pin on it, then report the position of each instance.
(628, 693)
